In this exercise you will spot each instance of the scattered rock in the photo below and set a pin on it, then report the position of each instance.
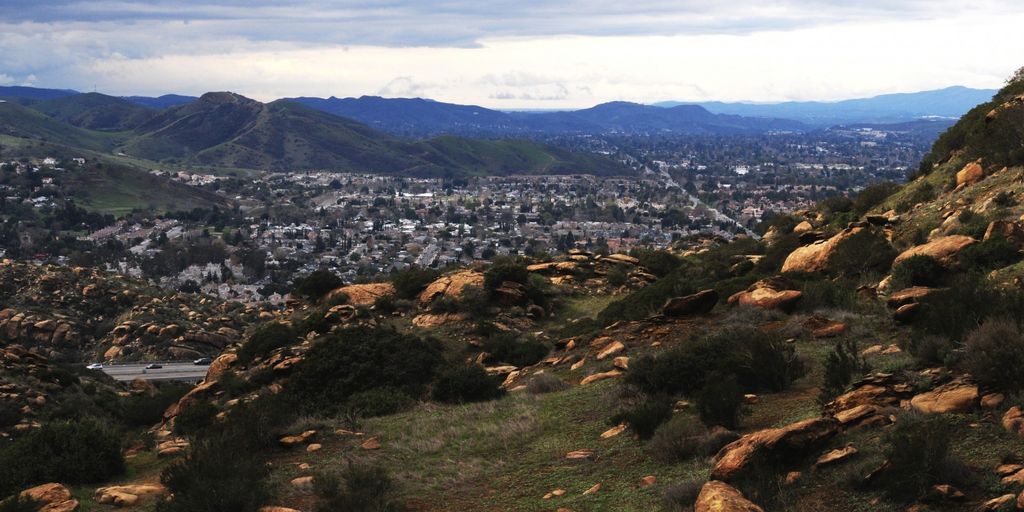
(767, 294)
(946, 250)
(596, 487)
(1013, 421)
(621, 362)
(303, 483)
(648, 481)
(718, 496)
(600, 376)
(867, 246)
(614, 431)
(836, 456)
(737, 457)
(584, 453)
(992, 400)
(995, 504)
(970, 174)
(371, 443)
(554, 494)
(831, 330)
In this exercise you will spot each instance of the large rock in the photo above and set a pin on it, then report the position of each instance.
(736, 458)
(970, 174)
(767, 294)
(51, 497)
(912, 295)
(220, 365)
(954, 397)
(1011, 231)
(450, 286)
(718, 496)
(699, 303)
(945, 250)
(127, 495)
(364, 294)
(1013, 421)
(852, 249)
(622, 258)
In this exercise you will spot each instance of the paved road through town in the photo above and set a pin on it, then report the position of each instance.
(170, 371)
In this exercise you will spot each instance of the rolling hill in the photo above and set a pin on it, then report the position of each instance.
(228, 130)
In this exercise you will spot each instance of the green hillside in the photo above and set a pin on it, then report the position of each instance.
(23, 122)
(95, 112)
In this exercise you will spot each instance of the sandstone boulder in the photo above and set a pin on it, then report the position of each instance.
(363, 294)
(718, 496)
(970, 174)
(697, 304)
(767, 294)
(1013, 421)
(622, 258)
(852, 248)
(954, 397)
(450, 286)
(733, 460)
(945, 250)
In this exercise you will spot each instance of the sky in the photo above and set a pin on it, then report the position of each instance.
(512, 54)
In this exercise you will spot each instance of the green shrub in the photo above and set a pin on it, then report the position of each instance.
(505, 270)
(827, 294)
(196, 418)
(461, 383)
(10, 415)
(917, 450)
(679, 439)
(966, 304)
(545, 383)
(362, 358)
(758, 360)
(645, 417)
(18, 504)
(379, 402)
(317, 284)
(721, 401)
(996, 252)
(873, 195)
(264, 340)
(360, 489)
(658, 262)
(972, 224)
(71, 452)
(410, 282)
(146, 410)
(932, 349)
(510, 349)
(917, 270)
(681, 496)
(994, 355)
(617, 276)
(841, 366)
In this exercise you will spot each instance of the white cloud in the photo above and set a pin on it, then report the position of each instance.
(536, 54)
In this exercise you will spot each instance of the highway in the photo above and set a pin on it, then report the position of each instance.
(186, 372)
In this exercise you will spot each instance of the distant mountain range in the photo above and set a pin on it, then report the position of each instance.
(229, 130)
(951, 102)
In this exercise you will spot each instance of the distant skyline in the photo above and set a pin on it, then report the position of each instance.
(512, 54)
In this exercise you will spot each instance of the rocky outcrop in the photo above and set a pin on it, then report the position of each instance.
(450, 286)
(958, 396)
(768, 294)
(945, 250)
(855, 248)
(737, 458)
(363, 294)
(52, 497)
(1009, 230)
(127, 495)
(699, 303)
(718, 496)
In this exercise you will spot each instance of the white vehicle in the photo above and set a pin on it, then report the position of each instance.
(94, 366)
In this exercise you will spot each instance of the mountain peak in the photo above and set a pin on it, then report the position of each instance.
(225, 97)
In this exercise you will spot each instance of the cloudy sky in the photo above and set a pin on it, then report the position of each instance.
(512, 53)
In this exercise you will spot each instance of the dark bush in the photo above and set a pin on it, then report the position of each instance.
(10, 415)
(317, 284)
(360, 489)
(917, 270)
(758, 360)
(545, 383)
(679, 439)
(196, 418)
(617, 276)
(996, 252)
(410, 282)
(720, 402)
(917, 450)
(681, 496)
(505, 270)
(18, 504)
(461, 383)
(645, 417)
(379, 402)
(510, 349)
(932, 349)
(872, 196)
(357, 359)
(71, 452)
(994, 355)
(146, 410)
(658, 262)
(827, 294)
(264, 340)
(969, 301)
(841, 366)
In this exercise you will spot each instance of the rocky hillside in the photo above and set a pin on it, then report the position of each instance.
(78, 314)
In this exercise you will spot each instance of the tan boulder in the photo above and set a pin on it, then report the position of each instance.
(621, 362)
(716, 496)
(127, 495)
(803, 227)
(998, 503)
(450, 286)
(434, 320)
(647, 481)
(622, 258)
(1011, 231)
(1013, 421)
(614, 431)
(970, 174)
(911, 295)
(945, 250)
(737, 457)
(220, 365)
(46, 494)
(596, 487)
(303, 483)
(954, 397)
(767, 294)
(371, 443)
(835, 456)
(278, 509)
(363, 294)
(611, 349)
(600, 376)
(831, 330)
(854, 247)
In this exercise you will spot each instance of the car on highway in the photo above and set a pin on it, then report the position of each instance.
(154, 366)
(94, 366)
(202, 361)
